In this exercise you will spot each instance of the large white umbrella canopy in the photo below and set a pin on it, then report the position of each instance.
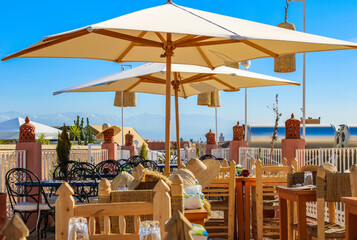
(192, 80)
(150, 78)
(174, 34)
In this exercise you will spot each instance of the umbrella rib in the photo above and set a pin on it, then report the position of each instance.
(160, 37)
(260, 48)
(209, 43)
(190, 40)
(122, 36)
(46, 44)
(127, 50)
(152, 78)
(183, 89)
(195, 77)
(205, 57)
(222, 82)
(133, 86)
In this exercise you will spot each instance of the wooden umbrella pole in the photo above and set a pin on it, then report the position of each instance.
(168, 53)
(178, 141)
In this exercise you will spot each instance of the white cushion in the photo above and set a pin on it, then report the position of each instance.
(29, 206)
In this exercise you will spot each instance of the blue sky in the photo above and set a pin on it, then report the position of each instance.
(27, 84)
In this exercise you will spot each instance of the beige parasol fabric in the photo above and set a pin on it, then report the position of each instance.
(226, 39)
(170, 33)
(203, 80)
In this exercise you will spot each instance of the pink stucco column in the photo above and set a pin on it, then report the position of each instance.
(209, 148)
(112, 150)
(289, 146)
(33, 149)
(292, 139)
(234, 149)
(129, 143)
(33, 157)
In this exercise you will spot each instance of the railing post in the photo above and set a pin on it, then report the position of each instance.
(177, 194)
(64, 210)
(15, 229)
(162, 205)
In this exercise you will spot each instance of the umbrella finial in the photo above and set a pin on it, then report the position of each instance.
(168, 1)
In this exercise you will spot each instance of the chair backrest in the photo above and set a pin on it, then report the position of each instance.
(224, 186)
(204, 157)
(149, 164)
(61, 170)
(353, 180)
(85, 181)
(268, 177)
(108, 167)
(330, 187)
(160, 208)
(22, 183)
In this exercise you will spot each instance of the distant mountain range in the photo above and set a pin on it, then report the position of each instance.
(149, 126)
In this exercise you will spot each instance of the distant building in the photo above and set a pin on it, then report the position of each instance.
(221, 138)
(9, 130)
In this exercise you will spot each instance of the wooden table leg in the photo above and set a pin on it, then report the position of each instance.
(301, 214)
(283, 218)
(240, 210)
(247, 211)
(290, 219)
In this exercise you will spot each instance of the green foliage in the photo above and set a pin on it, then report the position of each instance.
(63, 146)
(5, 142)
(75, 133)
(79, 125)
(143, 152)
(42, 139)
(198, 150)
(88, 134)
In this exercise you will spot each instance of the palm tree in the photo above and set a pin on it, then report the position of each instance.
(75, 132)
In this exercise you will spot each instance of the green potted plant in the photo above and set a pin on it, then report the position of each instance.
(63, 149)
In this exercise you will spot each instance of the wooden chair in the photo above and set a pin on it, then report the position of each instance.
(268, 177)
(353, 180)
(160, 208)
(330, 187)
(224, 187)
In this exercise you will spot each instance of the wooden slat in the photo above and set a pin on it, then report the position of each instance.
(217, 195)
(194, 77)
(137, 224)
(205, 57)
(209, 43)
(106, 225)
(91, 227)
(162, 39)
(190, 41)
(216, 227)
(130, 38)
(260, 48)
(222, 82)
(216, 190)
(132, 86)
(122, 224)
(46, 44)
(114, 209)
(127, 50)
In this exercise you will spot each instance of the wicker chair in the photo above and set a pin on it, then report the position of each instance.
(268, 177)
(224, 188)
(330, 187)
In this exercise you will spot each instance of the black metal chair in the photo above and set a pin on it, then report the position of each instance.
(149, 164)
(25, 194)
(109, 169)
(135, 160)
(83, 165)
(84, 182)
(61, 170)
(203, 157)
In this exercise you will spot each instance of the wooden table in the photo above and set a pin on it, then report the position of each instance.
(243, 205)
(350, 216)
(301, 197)
(197, 216)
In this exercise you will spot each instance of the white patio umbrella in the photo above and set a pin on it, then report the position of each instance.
(192, 80)
(174, 34)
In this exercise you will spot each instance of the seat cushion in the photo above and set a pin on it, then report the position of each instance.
(30, 207)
